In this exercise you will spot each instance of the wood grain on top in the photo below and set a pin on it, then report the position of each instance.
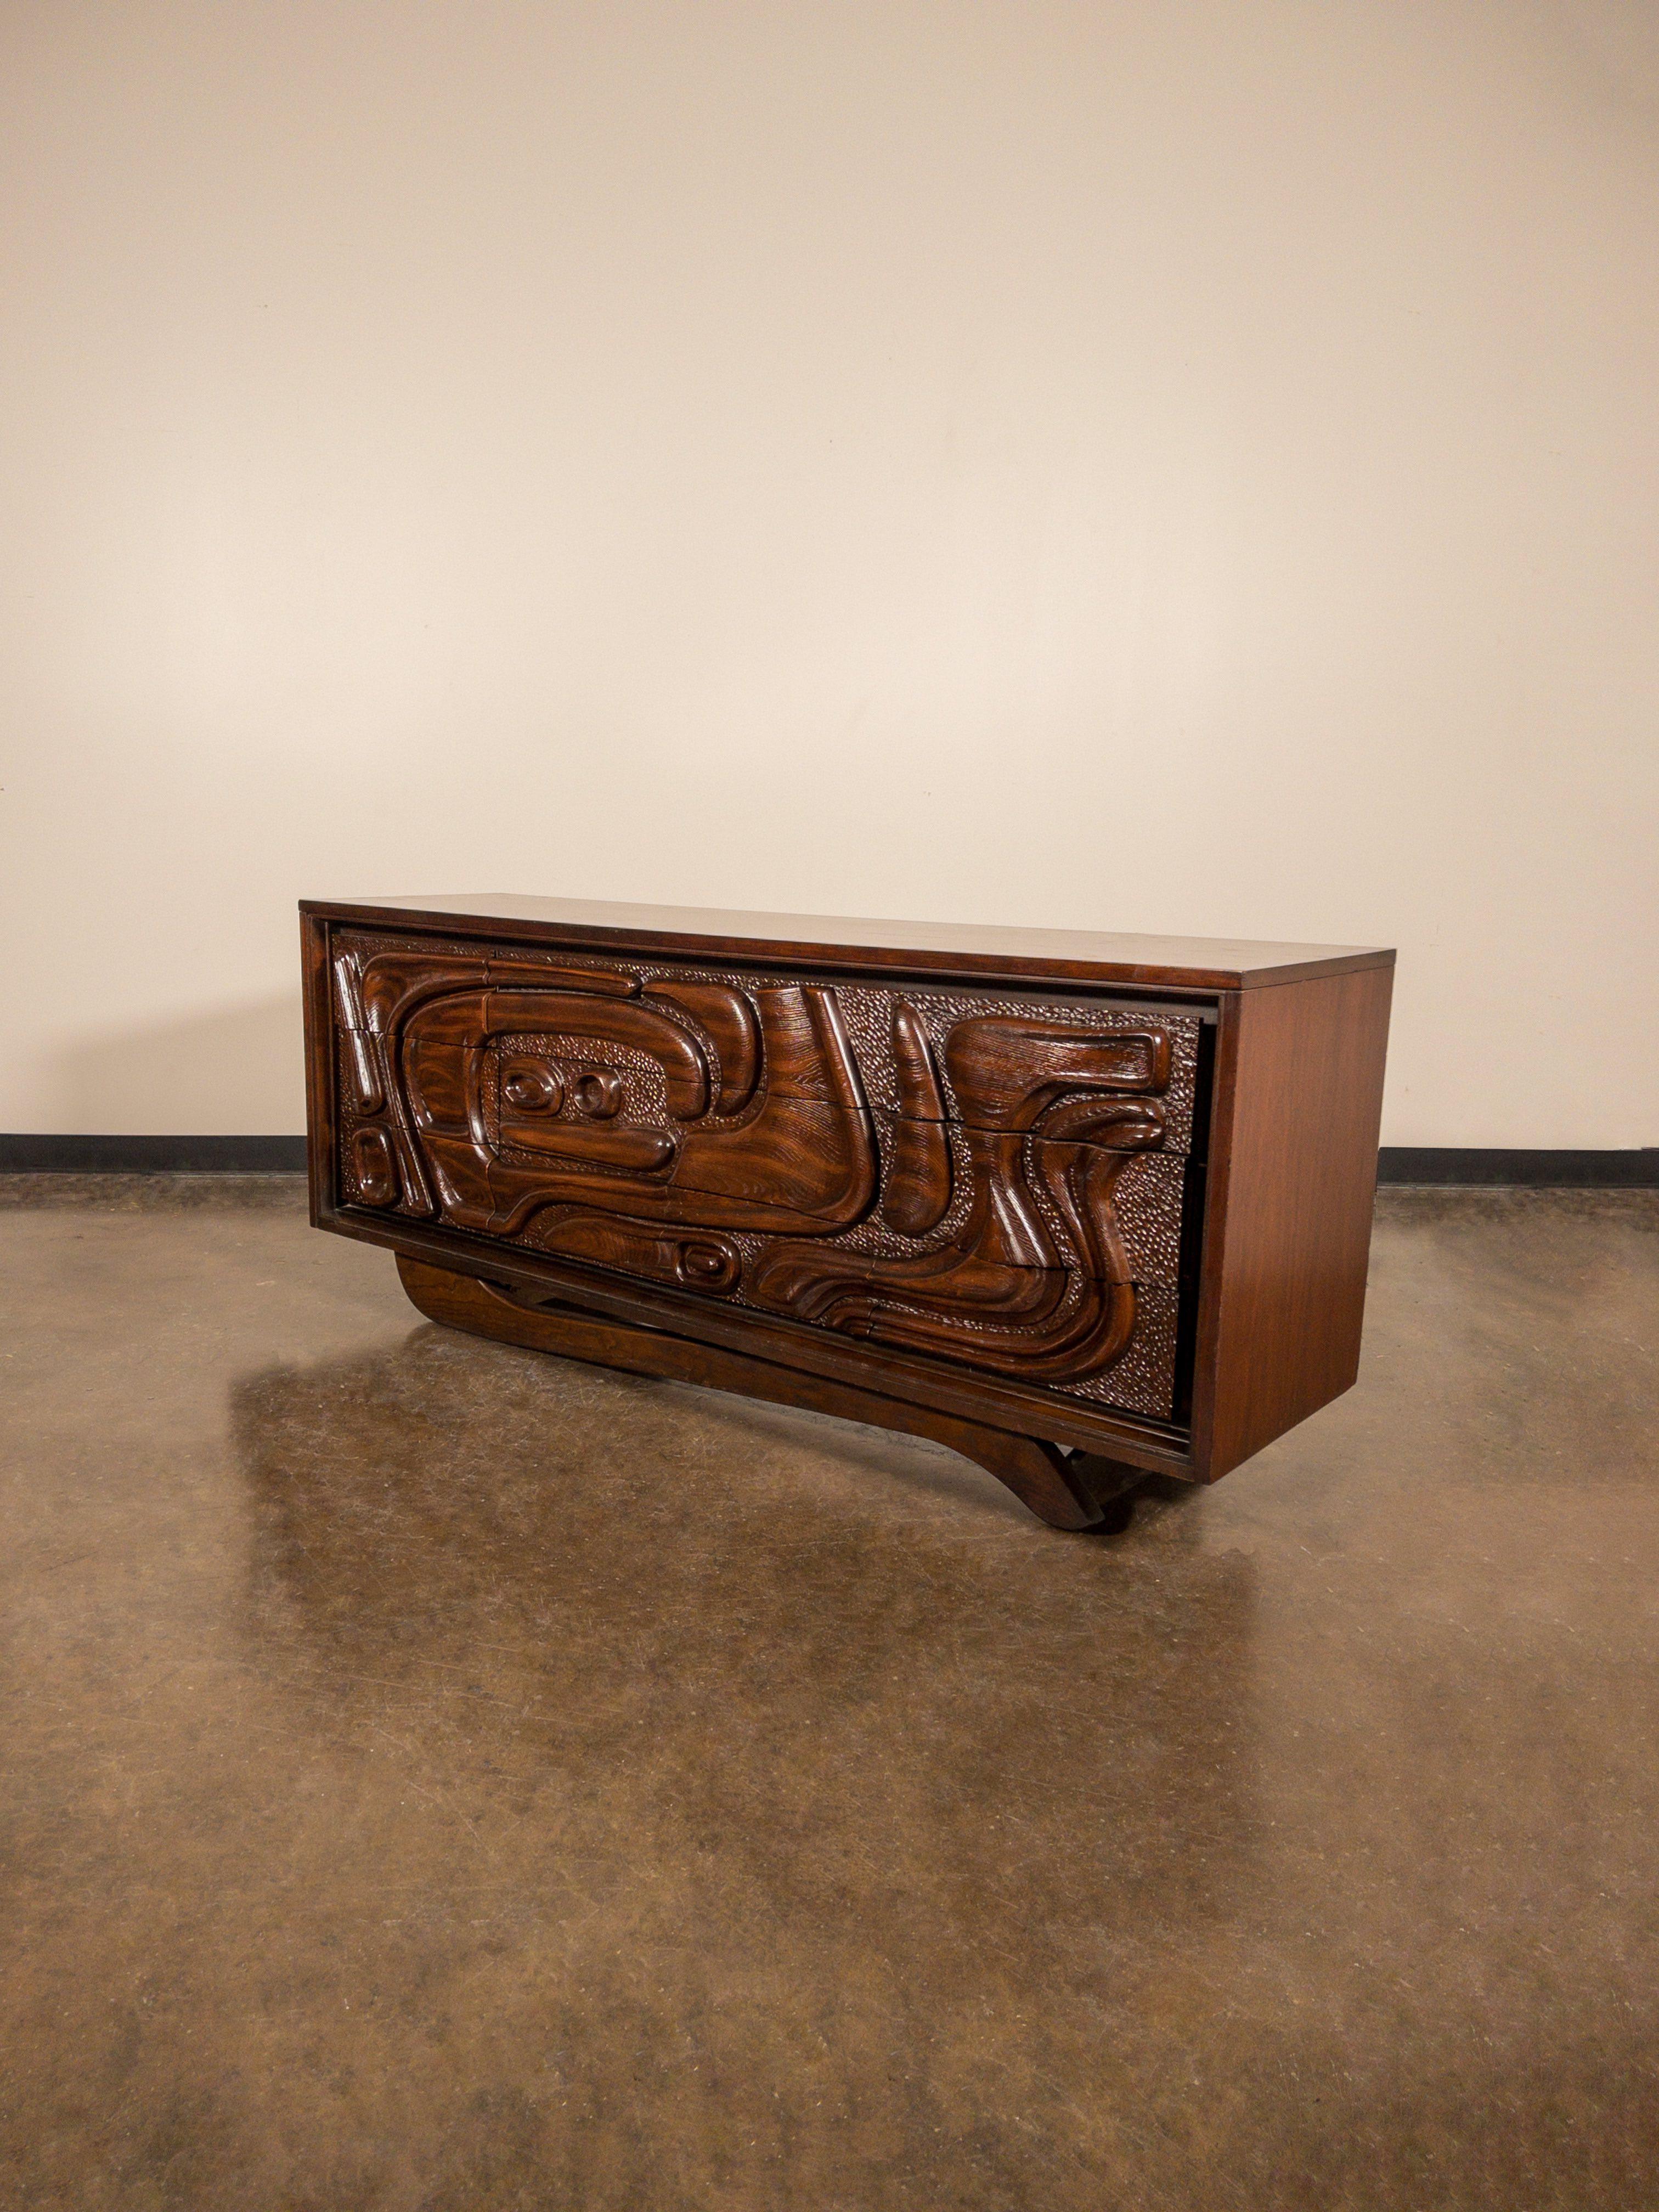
(818, 940)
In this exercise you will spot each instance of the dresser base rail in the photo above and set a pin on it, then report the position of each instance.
(1069, 1490)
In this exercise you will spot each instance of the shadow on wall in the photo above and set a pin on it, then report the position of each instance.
(239, 1070)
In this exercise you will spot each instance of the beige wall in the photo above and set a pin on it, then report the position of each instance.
(1148, 466)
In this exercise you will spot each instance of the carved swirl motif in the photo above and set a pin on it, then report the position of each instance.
(715, 1135)
(462, 1115)
(1038, 1311)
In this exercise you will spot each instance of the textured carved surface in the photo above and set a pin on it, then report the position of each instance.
(376, 1168)
(1001, 1292)
(727, 1016)
(1140, 1382)
(991, 1181)
(701, 1261)
(867, 1013)
(1113, 1192)
(920, 1098)
(916, 1189)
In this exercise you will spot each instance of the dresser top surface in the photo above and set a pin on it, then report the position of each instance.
(1176, 963)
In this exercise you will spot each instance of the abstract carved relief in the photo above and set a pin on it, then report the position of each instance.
(996, 1183)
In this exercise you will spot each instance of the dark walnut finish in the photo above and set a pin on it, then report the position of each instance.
(1082, 1208)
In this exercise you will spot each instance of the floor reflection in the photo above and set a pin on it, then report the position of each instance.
(465, 1779)
(754, 1797)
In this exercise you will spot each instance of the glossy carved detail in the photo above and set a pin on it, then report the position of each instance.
(377, 1174)
(1031, 1304)
(713, 1134)
(917, 1196)
(476, 1067)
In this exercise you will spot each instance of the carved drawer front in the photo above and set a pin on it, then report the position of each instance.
(995, 1180)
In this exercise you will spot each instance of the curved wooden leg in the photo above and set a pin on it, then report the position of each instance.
(1041, 1475)
(1112, 1483)
(1068, 1490)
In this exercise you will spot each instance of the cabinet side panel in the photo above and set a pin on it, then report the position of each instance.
(319, 1064)
(1295, 1168)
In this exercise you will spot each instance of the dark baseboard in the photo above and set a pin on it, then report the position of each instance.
(152, 1154)
(1468, 1164)
(1434, 1164)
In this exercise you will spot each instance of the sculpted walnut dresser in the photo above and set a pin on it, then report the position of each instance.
(1084, 1208)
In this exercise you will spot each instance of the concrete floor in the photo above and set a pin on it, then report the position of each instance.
(436, 1776)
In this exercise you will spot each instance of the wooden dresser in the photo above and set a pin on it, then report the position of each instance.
(1083, 1207)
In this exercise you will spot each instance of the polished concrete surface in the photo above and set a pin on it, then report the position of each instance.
(437, 1776)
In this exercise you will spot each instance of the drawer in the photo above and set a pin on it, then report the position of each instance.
(996, 1181)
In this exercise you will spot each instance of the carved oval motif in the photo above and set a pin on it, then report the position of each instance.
(532, 1087)
(708, 1263)
(598, 1093)
(703, 1265)
(376, 1168)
